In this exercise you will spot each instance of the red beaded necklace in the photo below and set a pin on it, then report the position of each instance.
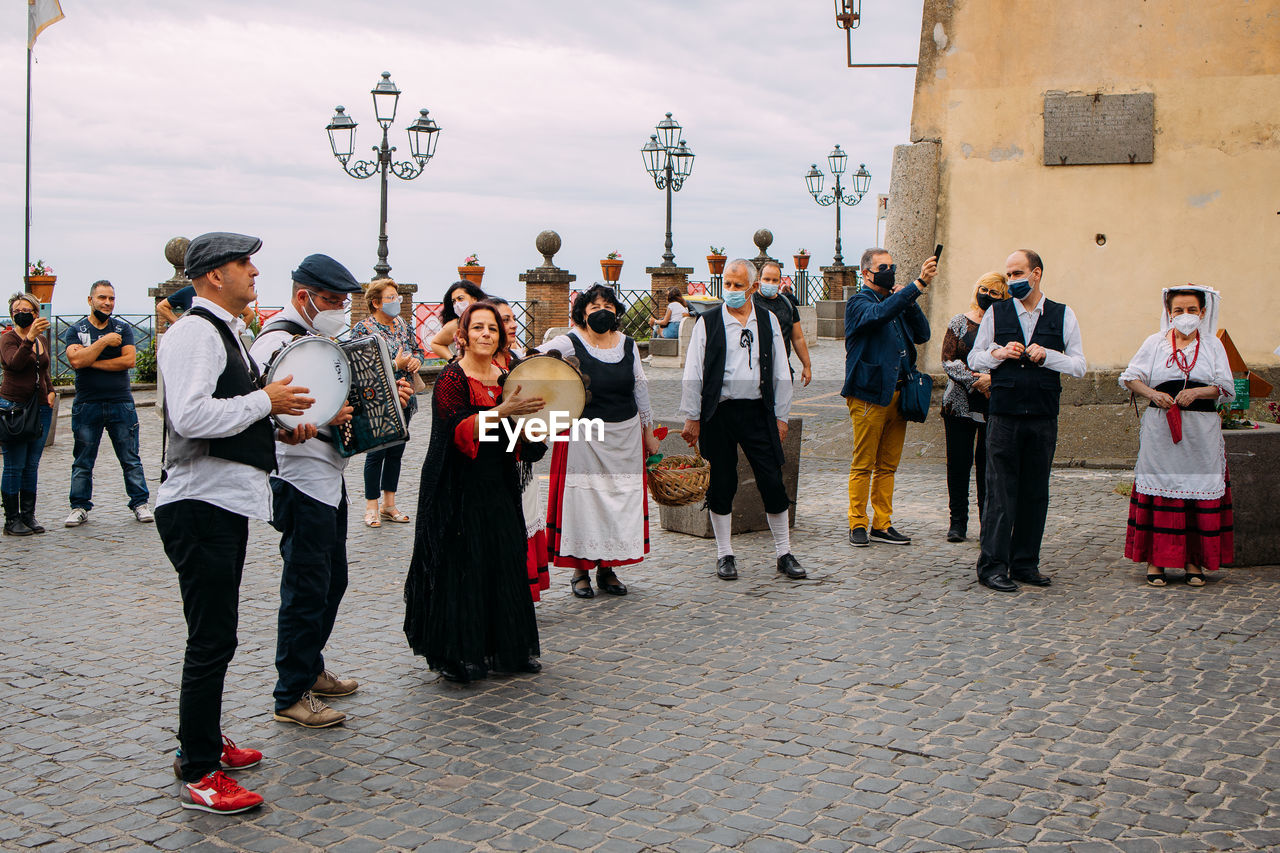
(1178, 359)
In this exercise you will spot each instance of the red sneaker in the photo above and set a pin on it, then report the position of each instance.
(218, 793)
(235, 758)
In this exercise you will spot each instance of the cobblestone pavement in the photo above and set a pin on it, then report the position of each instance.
(886, 703)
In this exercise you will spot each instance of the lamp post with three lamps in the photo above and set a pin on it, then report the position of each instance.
(861, 183)
(669, 162)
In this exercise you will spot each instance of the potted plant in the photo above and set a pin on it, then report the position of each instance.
(611, 267)
(715, 260)
(40, 281)
(471, 269)
(802, 259)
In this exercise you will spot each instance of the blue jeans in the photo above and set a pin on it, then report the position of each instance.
(671, 330)
(121, 423)
(22, 461)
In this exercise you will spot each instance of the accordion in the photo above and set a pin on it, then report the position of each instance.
(378, 420)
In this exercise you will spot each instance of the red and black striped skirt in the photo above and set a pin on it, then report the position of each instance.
(1170, 533)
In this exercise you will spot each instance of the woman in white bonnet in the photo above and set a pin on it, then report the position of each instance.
(1180, 510)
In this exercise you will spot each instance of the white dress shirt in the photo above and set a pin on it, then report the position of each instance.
(1071, 362)
(191, 358)
(741, 365)
(314, 467)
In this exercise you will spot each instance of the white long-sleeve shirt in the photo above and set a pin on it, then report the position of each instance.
(1071, 362)
(614, 354)
(741, 366)
(191, 358)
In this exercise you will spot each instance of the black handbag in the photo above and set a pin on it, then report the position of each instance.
(18, 423)
(914, 398)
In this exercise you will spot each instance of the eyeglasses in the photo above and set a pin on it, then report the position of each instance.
(333, 302)
(745, 340)
(886, 268)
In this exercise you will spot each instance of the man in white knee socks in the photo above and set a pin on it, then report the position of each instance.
(737, 393)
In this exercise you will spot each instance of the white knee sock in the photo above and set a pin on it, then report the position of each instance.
(781, 531)
(722, 527)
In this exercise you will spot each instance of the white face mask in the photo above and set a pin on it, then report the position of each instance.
(460, 305)
(391, 305)
(328, 323)
(1186, 323)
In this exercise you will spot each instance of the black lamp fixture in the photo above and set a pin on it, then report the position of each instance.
(838, 161)
(669, 161)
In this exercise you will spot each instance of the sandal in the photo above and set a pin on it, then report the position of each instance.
(582, 591)
(1156, 579)
(608, 582)
(1195, 578)
(395, 515)
(371, 518)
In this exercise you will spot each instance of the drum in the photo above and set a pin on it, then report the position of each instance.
(319, 365)
(555, 380)
(378, 421)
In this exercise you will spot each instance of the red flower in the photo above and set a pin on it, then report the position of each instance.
(660, 432)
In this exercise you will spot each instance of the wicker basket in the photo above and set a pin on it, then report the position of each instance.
(672, 486)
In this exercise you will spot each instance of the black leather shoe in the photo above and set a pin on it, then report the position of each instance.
(531, 665)
(790, 566)
(858, 537)
(889, 536)
(727, 568)
(1000, 583)
(581, 586)
(956, 533)
(1036, 579)
(608, 582)
(463, 673)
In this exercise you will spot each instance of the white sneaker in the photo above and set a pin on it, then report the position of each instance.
(77, 517)
(142, 512)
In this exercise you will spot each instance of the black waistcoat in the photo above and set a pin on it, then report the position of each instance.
(713, 368)
(612, 386)
(256, 445)
(1019, 386)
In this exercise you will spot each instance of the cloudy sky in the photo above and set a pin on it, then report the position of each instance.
(155, 119)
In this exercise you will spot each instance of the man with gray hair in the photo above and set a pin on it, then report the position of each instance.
(882, 325)
(737, 393)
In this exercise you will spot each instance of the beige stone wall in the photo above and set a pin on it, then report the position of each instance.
(1206, 210)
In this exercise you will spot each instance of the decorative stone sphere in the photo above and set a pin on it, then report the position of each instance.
(547, 244)
(175, 252)
(763, 239)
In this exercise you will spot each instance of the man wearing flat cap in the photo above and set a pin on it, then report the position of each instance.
(310, 511)
(219, 447)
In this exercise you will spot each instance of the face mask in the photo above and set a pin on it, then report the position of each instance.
(602, 321)
(23, 319)
(391, 305)
(885, 278)
(328, 323)
(735, 298)
(768, 291)
(1186, 323)
(985, 301)
(1020, 288)
(460, 305)
(102, 318)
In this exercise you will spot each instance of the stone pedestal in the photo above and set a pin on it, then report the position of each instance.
(546, 291)
(748, 509)
(809, 322)
(1253, 458)
(661, 279)
(360, 306)
(175, 252)
(829, 315)
(837, 279)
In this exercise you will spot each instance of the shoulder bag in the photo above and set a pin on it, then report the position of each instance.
(21, 423)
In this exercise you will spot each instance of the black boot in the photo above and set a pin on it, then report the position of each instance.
(13, 525)
(957, 531)
(27, 511)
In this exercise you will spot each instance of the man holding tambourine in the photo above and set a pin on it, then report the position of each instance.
(309, 508)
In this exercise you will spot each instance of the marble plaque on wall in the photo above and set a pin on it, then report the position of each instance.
(1093, 129)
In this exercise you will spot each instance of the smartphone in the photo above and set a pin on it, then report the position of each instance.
(937, 253)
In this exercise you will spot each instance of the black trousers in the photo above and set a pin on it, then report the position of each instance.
(966, 447)
(314, 547)
(206, 545)
(1019, 458)
(745, 424)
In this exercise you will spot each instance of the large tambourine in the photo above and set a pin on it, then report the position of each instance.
(319, 365)
(547, 375)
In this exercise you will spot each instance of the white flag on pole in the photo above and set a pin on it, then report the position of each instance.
(41, 14)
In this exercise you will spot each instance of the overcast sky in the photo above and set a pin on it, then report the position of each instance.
(156, 119)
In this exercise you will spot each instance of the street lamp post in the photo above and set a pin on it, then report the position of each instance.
(423, 135)
(669, 162)
(861, 183)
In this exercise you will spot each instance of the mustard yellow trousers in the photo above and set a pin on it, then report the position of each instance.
(878, 434)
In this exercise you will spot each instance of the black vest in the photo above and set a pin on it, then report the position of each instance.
(256, 445)
(613, 386)
(1019, 386)
(713, 368)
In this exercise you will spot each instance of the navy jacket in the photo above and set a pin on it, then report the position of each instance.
(872, 348)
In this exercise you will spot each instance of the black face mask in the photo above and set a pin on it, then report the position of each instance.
(986, 300)
(102, 318)
(602, 321)
(23, 319)
(885, 278)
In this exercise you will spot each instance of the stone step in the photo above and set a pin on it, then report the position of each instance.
(829, 309)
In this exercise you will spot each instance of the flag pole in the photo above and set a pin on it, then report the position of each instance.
(26, 267)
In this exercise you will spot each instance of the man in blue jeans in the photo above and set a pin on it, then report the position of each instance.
(101, 349)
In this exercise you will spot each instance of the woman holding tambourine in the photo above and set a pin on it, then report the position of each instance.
(598, 510)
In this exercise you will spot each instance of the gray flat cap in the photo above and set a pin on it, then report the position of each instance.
(210, 251)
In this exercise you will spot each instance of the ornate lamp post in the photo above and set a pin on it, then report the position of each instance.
(423, 135)
(669, 162)
(861, 183)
